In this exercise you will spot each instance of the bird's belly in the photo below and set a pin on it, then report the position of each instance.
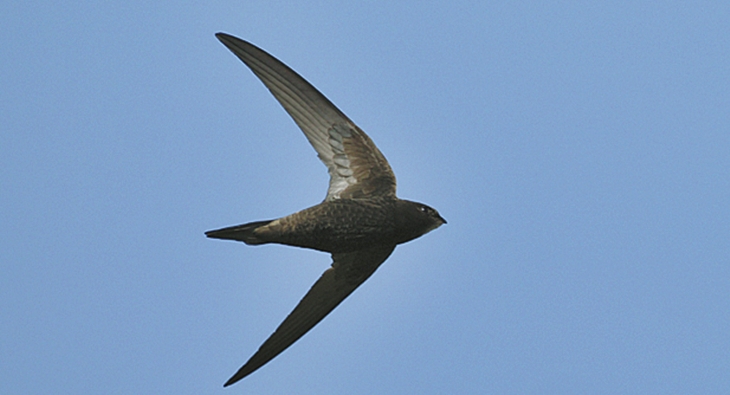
(335, 238)
(334, 229)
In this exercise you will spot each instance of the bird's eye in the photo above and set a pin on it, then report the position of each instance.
(423, 209)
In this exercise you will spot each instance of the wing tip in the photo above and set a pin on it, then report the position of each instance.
(231, 381)
(241, 374)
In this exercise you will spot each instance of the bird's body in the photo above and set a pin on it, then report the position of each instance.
(360, 221)
(342, 225)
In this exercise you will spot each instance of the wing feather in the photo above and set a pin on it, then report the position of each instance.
(348, 271)
(355, 165)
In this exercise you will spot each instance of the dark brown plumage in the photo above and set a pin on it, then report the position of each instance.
(360, 221)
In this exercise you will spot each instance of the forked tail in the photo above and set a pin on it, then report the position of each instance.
(244, 233)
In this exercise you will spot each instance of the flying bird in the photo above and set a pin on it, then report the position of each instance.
(360, 220)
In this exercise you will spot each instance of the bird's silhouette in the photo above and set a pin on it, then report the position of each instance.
(359, 222)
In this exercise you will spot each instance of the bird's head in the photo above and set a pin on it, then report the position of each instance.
(416, 219)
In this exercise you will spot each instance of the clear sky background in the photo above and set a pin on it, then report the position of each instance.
(581, 154)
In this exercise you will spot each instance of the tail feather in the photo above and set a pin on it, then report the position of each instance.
(244, 233)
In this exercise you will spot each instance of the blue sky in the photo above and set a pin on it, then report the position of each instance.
(580, 153)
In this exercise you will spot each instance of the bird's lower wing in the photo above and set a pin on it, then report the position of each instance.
(348, 271)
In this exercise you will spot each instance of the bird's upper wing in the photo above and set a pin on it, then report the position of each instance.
(356, 167)
(348, 271)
